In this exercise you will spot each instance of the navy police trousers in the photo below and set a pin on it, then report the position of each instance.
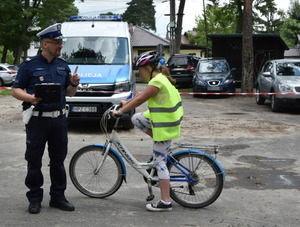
(39, 131)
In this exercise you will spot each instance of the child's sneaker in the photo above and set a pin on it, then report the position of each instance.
(160, 206)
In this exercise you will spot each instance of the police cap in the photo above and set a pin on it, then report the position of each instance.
(52, 32)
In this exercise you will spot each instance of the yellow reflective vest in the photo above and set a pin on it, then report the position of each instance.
(165, 110)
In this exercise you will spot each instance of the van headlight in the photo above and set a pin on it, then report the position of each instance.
(122, 87)
(286, 88)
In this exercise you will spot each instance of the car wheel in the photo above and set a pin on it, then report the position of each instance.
(195, 91)
(274, 104)
(1, 83)
(260, 100)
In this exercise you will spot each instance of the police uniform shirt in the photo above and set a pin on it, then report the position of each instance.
(37, 70)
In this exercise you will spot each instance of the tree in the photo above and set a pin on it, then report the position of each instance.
(141, 13)
(247, 49)
(266, 17)
(178, 29)
(291, 26)
(18, 24)
(220, 20)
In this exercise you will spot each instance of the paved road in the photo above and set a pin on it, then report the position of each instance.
(259, 153)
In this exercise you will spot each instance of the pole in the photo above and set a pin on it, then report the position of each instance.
(172, 27)
(206, 50)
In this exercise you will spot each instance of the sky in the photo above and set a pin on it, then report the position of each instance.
(192, 9)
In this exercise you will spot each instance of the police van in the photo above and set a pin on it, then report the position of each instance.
(101, 48)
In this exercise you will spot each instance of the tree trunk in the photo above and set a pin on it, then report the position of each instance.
(239, 26)
(179, 26)
(19, 52)
(247, 51)
(4, 54)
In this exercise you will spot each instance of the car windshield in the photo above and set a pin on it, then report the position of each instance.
(178, 60)
(13, 67)
(288, 69)
(213, 67)
(96, 50)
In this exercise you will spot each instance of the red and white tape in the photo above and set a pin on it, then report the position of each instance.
(5, 88)
(190, 93)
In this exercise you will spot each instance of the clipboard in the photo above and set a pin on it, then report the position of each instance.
(49, 92)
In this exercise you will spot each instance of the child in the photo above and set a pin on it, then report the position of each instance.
(162, 121)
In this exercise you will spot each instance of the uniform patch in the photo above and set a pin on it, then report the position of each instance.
(41, 78)
(61, 68)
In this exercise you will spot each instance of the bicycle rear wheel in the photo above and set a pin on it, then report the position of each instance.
(97, 185)
(206, 174)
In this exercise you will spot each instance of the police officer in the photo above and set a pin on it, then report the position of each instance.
(48, 123)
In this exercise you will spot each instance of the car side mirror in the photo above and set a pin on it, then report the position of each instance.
(233, 72)
(267, 74)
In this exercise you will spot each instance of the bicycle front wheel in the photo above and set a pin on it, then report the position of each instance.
(207, 179)
(87, 180)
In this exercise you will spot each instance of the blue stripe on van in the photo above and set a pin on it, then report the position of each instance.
(102, 73)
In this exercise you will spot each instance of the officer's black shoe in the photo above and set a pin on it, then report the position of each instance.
(63, 205)
(34, 207)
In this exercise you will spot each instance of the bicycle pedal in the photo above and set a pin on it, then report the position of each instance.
(150, 198)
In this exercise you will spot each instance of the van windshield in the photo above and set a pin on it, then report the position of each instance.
(96, 50)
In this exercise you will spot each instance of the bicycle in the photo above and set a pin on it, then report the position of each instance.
(98, 170)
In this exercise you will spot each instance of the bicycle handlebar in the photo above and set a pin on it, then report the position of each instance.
(116, 107)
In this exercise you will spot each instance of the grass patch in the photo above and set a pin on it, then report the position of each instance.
(185, 89)
(5, 92)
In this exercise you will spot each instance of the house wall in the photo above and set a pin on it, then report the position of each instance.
(193, 51)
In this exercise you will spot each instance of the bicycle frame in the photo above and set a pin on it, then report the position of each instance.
(196, 177)
(126, 154)
(142, 167)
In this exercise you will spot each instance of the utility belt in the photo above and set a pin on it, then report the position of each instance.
(52, 114)
(29, 112)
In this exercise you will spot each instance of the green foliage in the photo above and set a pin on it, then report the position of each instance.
(266, 18)
(289, 30)
(219, 20)
(9, 57)
(141, 13)
(294, 10)
(291, 26)
(20, 18)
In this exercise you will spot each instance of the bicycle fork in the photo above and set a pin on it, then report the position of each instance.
(108, 146)
(151, 196)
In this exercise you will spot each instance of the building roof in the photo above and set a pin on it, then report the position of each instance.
(143, 38)
(185, 36)
(261, 35)
(293, 52)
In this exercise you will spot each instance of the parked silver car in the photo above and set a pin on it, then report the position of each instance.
(8, 74)
(279, 76)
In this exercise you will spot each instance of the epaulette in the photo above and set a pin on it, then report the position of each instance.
(30, 59)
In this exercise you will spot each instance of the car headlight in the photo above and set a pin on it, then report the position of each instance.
(199, 82)
(228, 81)
(121, 87)
(286, 88)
